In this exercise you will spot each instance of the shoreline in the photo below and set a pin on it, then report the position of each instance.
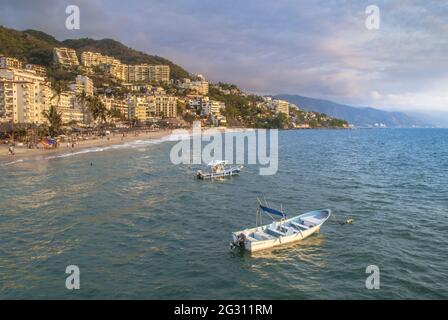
(23, 154)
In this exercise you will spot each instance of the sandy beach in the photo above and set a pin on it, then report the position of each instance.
(23, 153)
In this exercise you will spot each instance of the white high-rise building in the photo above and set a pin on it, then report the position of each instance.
(23, 96)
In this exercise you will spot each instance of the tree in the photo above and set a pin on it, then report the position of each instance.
(59, 87)
(97, 109)
(82, 98)
(54, 118)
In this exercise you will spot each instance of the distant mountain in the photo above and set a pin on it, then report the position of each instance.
(360, 117)
(36, 47)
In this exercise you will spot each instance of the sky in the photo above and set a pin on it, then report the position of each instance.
(320, 49)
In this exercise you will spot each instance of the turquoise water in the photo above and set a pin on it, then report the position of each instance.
(139, 227)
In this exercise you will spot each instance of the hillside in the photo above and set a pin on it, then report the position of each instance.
(126, 55)
(360, 117)
(36, 47)
(26, 46)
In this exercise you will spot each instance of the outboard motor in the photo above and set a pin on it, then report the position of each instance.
(239, 242)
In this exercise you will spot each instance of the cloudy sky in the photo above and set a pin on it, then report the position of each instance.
(318, 48)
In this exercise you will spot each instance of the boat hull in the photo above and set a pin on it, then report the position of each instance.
(224, 174)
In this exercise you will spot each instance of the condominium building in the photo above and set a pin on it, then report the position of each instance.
(23, 96)
(156, 105)
(91, 59)
(199, 86)
(83, 84)
(7, 62)
(165, 106)
(139, 73)
(141, 108)
(65, 104)
(65, 57)
(279, 106)
(120, 104)
(212, 107)
(39, 70)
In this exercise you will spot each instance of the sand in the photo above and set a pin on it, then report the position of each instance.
(23, 153)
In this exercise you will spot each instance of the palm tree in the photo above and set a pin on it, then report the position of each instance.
(84, 102)
(54, 119)
(59, 87)
(97, 109)
(115, 113)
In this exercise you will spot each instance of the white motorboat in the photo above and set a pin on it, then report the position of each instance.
(281, 231)
(219, 169)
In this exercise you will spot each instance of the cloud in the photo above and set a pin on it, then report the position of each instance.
(318, 48)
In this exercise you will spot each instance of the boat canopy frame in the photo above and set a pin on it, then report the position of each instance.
(268, 210)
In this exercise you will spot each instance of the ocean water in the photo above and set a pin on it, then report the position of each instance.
(140, 227)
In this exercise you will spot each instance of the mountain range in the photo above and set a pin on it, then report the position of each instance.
(358, 116)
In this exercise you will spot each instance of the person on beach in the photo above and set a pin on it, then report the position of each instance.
(11, 151)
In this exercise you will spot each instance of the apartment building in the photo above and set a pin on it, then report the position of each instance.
(279, 106)
(165, 106)
(13, 63)
(120, 104)
(200, 86)
(83, 84)
(41, 71)
(23, 96)
(139, 73)
(141, 108)
(65, 56)
(91, 59)
(65, 104)
(212, 107)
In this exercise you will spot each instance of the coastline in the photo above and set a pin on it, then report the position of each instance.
(23, 153)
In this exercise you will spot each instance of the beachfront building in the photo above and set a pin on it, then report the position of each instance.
(121, 104)
(165, 105)
(141, 109)
(83, 84)
(65, 104)
(8, 62)
(65, 57)
(155, 105)
(23, 96)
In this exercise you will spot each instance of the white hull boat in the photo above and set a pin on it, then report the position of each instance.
(280, 232)
(219, 170)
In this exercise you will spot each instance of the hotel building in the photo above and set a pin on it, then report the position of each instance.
(13, 63)
(83, 84)
(23, 96)
(65, 57)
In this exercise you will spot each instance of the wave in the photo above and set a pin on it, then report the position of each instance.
(11, 163)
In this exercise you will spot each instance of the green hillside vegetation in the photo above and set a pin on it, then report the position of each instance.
(25, 46)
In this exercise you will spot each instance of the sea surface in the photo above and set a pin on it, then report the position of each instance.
(138, 226)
